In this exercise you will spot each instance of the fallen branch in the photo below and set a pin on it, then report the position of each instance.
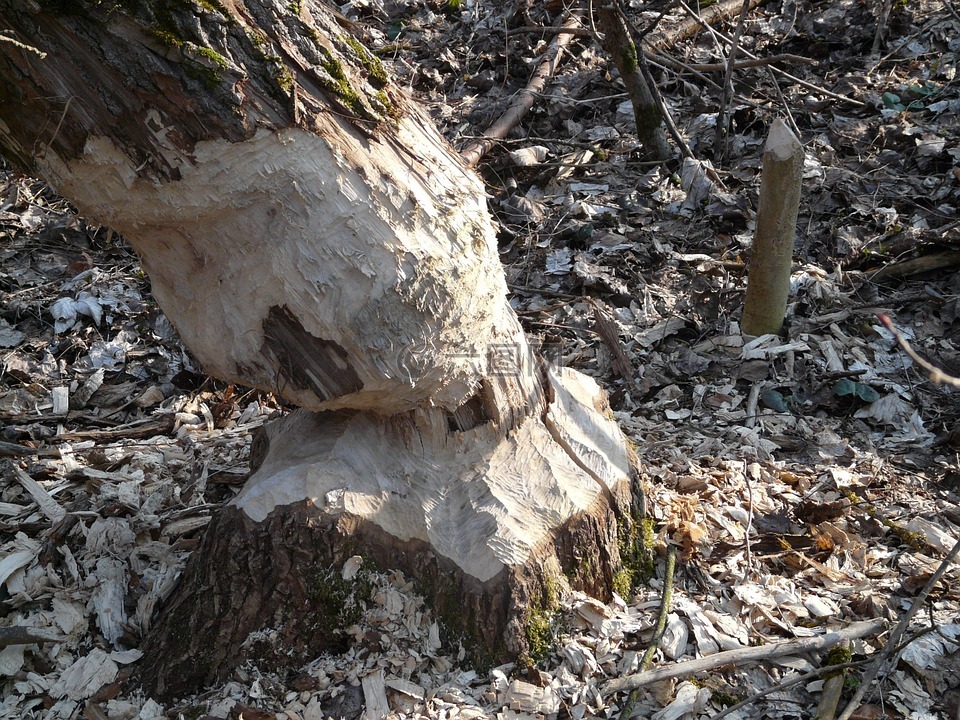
(742, 656)
(922, 264)
(8, 449)
(782, 73)
(524, 100)
(874, 669)
(21, 635)
(788, 683)
(158, 425)
(752, 62)
(935, 374)
(801, 679)
(714, 14)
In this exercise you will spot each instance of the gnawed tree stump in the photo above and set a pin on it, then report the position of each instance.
(309, 232)
(491, 528)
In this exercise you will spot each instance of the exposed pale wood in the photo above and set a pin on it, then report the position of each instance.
(375, 696)
(50, 508)
(768, 281)
(611, 338)
(331, 247)
(488, 527)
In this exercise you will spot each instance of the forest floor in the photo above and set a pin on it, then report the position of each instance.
(806, 481)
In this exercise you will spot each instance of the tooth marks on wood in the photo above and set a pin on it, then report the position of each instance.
(306, 362)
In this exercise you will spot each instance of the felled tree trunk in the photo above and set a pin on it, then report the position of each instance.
(309, 232)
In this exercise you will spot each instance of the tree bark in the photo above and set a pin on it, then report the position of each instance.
(768, 283)
(309, 232)
(619, 46)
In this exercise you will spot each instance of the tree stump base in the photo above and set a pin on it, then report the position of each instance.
(492, 529)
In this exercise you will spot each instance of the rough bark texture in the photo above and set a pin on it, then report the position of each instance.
(491, 529)
(768, 284)
(280, 580)
(308, 231)
(619, 46)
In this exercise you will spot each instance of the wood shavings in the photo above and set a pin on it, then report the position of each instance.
(86, 676)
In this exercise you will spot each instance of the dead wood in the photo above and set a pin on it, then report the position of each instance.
(744, 655)
(917, 265)
(160, 425)
(524, 100)
(667, 38)
(897, 633)
(20, 635)
(611, 338)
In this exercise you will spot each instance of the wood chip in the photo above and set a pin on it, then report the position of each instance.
(48, 506)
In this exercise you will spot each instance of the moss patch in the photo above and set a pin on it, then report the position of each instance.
(629, 59)
(371, 63)
(540, 623)
(637, 537)
(335, 81)
(337, 603)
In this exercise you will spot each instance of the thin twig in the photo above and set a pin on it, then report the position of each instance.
(783, 102)
(952, 9)
(881, 27)
(874, 669)
(782, 73)
(754, 62)
(556, 30)
(806, 677)
(641, 34)
(720, 138)
(789, 682)
(746, 475)
(742, 656)
(663, 108)
(56, 131)
(935, 374)
(666, 597)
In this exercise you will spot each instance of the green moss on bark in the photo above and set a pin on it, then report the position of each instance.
(539, 627)
(370, 62)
